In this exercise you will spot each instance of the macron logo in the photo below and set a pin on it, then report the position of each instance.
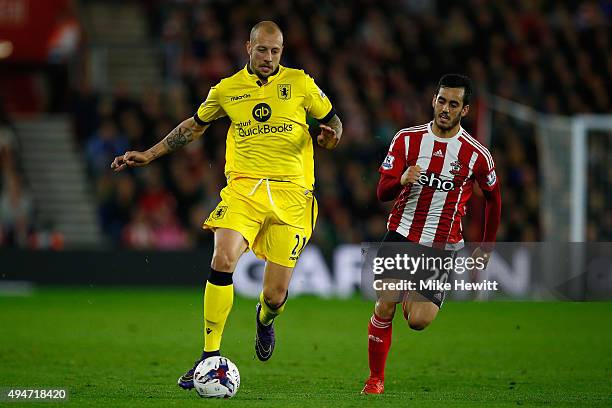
(374, 338)
(439, 153)
(239, 97)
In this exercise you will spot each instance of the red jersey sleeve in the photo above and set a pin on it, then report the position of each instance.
(395, 161)
(484, 172)
(391, 169)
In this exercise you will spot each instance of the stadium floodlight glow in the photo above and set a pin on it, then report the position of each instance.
(6, 49)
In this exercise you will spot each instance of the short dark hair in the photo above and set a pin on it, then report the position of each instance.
(457, 81)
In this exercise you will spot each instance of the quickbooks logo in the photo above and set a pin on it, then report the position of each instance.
(262, 112)
(265, 129)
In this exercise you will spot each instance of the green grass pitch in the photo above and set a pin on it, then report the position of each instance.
(126, 348)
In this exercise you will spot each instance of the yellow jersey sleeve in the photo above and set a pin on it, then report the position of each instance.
(210, 109)
(316, 102)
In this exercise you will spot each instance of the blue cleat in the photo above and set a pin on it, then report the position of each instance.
(264, 340)
(185, 381)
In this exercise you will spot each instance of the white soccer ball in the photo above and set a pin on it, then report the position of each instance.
(216, 377)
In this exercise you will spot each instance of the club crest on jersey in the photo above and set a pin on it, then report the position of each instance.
(388, 162)
(219, 212)
(456, 167)
(284, 91)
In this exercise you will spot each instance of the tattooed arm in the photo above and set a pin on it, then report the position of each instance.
(186, 132)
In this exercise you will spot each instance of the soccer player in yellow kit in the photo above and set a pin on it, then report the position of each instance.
(268, 204)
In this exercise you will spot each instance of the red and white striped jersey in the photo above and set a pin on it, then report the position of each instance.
(430, 210)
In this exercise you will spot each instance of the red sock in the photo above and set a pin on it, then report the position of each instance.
(379, 343)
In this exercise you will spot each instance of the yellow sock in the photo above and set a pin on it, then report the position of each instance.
(218, 302)
(267, 314)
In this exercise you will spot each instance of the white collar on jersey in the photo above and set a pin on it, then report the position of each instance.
(443, 139)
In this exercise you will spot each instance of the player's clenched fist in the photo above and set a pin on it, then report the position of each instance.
(411, 175)
(130, 159)
(327, 138)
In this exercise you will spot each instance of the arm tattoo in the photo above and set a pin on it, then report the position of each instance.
(183, 134)
(156, 151)
(178, 138)
(335, 124)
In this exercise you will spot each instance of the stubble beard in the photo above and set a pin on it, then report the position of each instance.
(449, 126)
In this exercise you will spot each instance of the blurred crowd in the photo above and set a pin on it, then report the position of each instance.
(16, 206)
(20, 223)
(378, 61)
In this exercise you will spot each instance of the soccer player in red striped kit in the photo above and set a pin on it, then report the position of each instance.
(430, 172)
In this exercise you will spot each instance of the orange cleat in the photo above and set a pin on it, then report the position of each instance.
(373, 386)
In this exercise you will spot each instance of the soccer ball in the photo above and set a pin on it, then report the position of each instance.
(216, 377)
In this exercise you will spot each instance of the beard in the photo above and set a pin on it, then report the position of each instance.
(262, 74)
(451, 124)
(256, 69)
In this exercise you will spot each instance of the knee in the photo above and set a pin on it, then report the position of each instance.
(385, 310)
(223, 260)
(275, 295)
(417, 323)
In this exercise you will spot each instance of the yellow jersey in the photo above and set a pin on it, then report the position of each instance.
(268, 136)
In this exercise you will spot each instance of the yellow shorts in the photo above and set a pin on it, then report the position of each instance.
(275, 217)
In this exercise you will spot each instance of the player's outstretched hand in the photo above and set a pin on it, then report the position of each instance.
(479, 253)
(411, 175)
(130, 159)
(327, 138)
